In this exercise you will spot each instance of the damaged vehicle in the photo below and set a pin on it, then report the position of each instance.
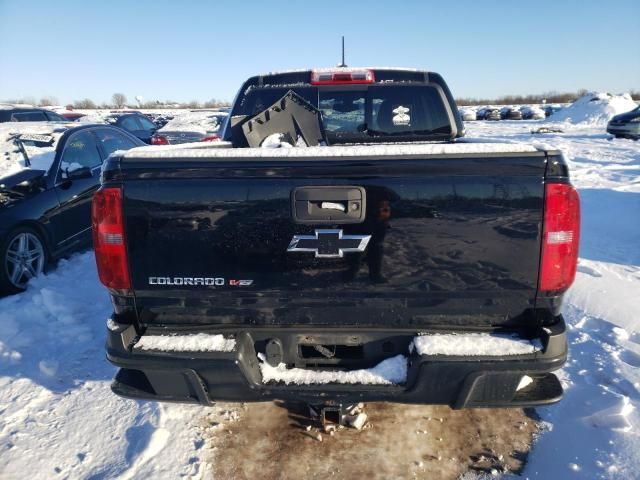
(342, 243)
(194, 126)
(48, 174)
(625, 125)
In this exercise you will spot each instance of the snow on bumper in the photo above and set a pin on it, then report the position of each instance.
(390, 371)
(475, 344)
(422, 374)
(199, 342)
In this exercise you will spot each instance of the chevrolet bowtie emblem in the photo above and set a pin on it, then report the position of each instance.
(329, 243)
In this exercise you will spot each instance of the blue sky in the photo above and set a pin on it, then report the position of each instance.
(191, 50)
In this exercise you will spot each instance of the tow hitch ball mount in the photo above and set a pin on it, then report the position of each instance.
(338, 414)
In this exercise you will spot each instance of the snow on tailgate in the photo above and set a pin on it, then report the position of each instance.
(388, 372)
(474, 344)
(201, 342)
(215, 151)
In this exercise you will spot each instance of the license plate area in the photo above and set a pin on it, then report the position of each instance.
(328, 352)
(345, 351)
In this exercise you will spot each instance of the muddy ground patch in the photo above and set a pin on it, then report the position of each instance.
(270, 441)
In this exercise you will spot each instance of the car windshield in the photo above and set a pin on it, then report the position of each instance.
(376, 112)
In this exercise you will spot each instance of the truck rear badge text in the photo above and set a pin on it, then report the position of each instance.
(199, 281)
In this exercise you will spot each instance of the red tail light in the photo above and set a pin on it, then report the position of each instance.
(159, 140)
(561, 237)
(341, 76)
(108, 238)
(210, 138)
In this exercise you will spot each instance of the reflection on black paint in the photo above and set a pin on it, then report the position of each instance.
(438, 245)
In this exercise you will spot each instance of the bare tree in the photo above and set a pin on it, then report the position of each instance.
(26, 101)
(48, 101)
(86, 104)
(119, 100)
(214, 103)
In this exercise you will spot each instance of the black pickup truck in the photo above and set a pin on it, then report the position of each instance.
(386, 260)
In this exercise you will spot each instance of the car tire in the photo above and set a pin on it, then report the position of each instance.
(23, 256)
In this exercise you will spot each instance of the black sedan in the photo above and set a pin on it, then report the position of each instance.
(625, 125)
(136, 124)
(18, 113)
(48, 173)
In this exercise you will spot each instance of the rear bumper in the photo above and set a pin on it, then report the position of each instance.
(459, 382)
(628, 129)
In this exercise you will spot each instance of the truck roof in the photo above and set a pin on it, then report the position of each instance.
(381, 74)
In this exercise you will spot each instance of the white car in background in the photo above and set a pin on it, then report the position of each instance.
(467, 114)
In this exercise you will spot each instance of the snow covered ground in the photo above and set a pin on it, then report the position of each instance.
(58, 418)
(595, 431)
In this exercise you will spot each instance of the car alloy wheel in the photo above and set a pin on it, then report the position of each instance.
(24, 259)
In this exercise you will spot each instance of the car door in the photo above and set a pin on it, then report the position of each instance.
(75, 182)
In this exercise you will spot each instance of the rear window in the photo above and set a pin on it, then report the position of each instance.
(372, 113)
(256, 100)
(130, 124)
(147, 124)
(29, 117)
(54, 117)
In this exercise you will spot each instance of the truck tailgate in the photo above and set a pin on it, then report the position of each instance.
(451, 240)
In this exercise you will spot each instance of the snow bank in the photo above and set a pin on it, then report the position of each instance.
(388, 372)
(474, 344)
(58, 415)
(593, 433)
(594, 108)
(201, 342)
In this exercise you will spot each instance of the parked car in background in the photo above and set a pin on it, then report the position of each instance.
(492, 114)
(480, 112)
(510, 113)
(137, 124)
(18, 113)
(72, 116)
(468, 114)
(551, 109)
(532, 113)
(194, 126)
(514, 113)
(48, 173)
(160, 119)
(625, 125)
(123, 111)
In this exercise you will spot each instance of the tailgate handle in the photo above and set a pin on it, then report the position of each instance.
(333, 206)
(328, 205)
